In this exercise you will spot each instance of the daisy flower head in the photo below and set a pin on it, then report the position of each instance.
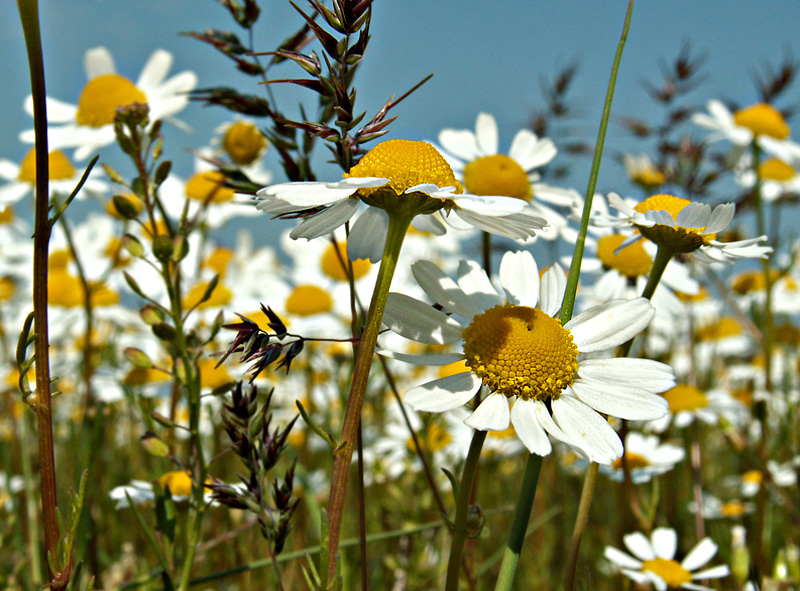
(683, 226)
(744, 125)
(646, 457)
(516, 351)
(89, 124)
(478, 164)
(653, 561)
(396, 177)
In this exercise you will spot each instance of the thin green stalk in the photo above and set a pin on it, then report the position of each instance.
(462, 507)
(30, 503)
(519, 525)
(582, 518)
(396, 232)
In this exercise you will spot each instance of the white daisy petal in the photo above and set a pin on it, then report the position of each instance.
(419, 322)
(519, 276)
(98, 61)
(326, 221)
(525, 418)
(587, 431)
(460, 142)
(639, 546)
(610, 324)
(700, 554)
(625, 403)
(433, 359)
(443, 394)
(486, 134)
(308, 194)
(637, 576)
(658, 376)
(661, 217)
(619, 558)
(155, 70)
(502, 225)
(442, 289)
(554, 284)
(720, 218)
(489, 205)
(531, 152)
(716, 572)
(694, 215)
(492, 414)
(476, 285)
(665, 542)
(368, 235)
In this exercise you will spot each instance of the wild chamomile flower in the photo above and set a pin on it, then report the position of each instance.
(646, 457)
(483, 170)
(683, 227)
(744, 125)
(517, 352)
(653, 561)
(643, 172)
(715, 508)
(687, 403)
(20, 179)
(89, 124)
(395, 177)
(778, 175)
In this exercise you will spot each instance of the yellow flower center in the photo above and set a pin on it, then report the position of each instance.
(219, 297)
(6, 215)
(212, 376)
(732, 509)
(680, 239)
(406, 164)
(452, 369)
(752, 281)
(178, 482)
(497, 175)
(725, 327)
(307, 300)
(671, 571)
(7, 288)
(521, 351)
(762, 119)
(775, 169)
(67, 291)
(100, 98)
(648, 177)
(752, 477)
(631, 261)
(218, 260)
(684, 397)
(634, 461)
(59, 167)
(332, 259)
(243, 142)
(208, 187)
(436, 439)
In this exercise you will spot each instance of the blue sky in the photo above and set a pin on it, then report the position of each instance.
(485, 56)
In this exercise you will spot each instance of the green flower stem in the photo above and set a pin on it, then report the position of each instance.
(584, 505)
(519, 525)
(29, 15)
(398, 226)
(462, 507)
(30, 503)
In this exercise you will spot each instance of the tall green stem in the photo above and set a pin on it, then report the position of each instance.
(398, 226)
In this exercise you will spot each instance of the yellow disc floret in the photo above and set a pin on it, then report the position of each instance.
(307, 300)
(631, 261)
(100, 98)
(406, 164)
(497, 175)
(670, 571)
(678, 238)
(59, 167)
(521, 351)
(333, 264)
(633, 460)
(762, 119)
(775, 169)
(684, 397)
(243, 142)
(208, 187)
(178, 482)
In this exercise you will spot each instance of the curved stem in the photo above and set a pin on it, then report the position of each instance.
(580, 524)
(462, 508)
(398, 225)
(519, 525)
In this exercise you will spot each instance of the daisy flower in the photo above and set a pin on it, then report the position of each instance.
(684, 227)
(687, 403)
(653, 561)
(483, 170)
(714, 508)
(743, 126)
(646, 457)
(642, 171)
(515, 350)
(89, 125)
(395, 177)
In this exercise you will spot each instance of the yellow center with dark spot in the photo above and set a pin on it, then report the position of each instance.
(59, 167)
(178, 482)
(763, 119)
(497, 175)
(732, 509)
(436, 438)
(334, 261)
(631, 261)
(684, 397)
(406, 164)
(725, 327)
(307, 300)
(243, 142)
(752, 281)
(775, 169)
(634, 461)
(671, 571)
(521, 351)
(208, 187)
(100, 98)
